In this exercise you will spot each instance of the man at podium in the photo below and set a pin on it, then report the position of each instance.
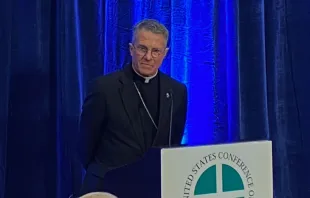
(129, 111)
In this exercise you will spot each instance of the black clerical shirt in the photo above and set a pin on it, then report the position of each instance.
(150, 94)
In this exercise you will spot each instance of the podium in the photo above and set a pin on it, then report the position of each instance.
(238, 170)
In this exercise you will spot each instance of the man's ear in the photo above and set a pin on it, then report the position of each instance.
(166, 51)
(131, 48)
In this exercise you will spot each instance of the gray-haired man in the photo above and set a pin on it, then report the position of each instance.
(129, 111)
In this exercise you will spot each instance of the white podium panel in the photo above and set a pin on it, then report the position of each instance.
(240, 170)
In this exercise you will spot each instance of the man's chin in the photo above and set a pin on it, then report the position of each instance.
(147, 73)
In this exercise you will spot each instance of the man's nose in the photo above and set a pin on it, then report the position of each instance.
(148, 55)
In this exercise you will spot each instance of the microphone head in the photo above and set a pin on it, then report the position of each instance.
(169, 93)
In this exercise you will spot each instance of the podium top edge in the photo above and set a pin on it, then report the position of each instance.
(219, 144)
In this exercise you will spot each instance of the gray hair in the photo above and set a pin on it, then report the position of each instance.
(150, 25)
(98, 195)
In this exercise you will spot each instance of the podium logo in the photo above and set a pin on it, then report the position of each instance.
(219, 175)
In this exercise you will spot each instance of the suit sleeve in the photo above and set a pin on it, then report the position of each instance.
(180, 120)
(91, 120)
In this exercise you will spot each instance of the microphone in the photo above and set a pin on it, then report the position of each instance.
(170, 95)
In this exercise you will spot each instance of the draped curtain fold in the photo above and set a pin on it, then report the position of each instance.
(245, 63)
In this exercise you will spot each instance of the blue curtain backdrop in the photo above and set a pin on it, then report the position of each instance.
(246, 65)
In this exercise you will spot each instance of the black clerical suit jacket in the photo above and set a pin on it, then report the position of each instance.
(110, 129)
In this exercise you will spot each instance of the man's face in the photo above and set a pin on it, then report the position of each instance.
(148, 52)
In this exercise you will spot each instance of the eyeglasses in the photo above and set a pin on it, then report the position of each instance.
(142, 50)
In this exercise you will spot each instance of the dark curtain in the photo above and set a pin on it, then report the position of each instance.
(246, 65)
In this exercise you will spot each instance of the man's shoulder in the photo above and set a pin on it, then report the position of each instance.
(105, 81)
(110, 76)
(176, 84)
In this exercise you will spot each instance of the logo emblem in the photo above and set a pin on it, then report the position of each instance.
(222, 180)
(217, 175)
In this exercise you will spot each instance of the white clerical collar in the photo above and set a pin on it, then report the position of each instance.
(146, 79)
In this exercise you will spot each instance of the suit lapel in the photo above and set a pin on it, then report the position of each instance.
(130, 101)
(164, 111)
